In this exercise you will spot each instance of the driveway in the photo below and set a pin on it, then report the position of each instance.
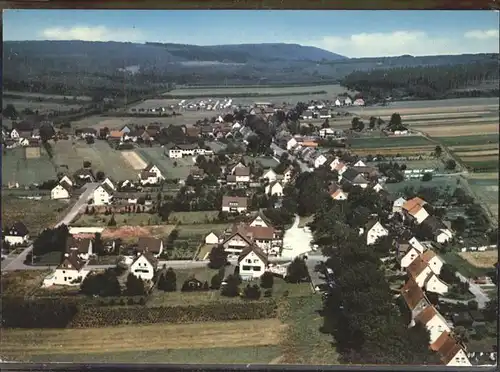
(17, 263)
(296, 241)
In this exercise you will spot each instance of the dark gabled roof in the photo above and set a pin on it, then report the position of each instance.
(242, 171)
(107, 188)
(65, 185)
(240, 200)
(434, 224)
(353, 176)
(18, 229)
(149, 244)
(148, 256)
(256, 250)
(370, 224)
(80, 245)
(149, 167)
(70, 262)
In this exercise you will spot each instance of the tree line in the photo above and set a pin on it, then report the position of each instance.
(426, 82)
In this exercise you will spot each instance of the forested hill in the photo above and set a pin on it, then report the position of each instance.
(473, 79)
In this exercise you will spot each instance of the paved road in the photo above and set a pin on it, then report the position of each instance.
(278, 151)
(17, 263)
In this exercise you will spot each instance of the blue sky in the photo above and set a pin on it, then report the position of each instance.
(350, 33)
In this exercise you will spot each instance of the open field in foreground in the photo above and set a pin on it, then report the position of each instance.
(16, 168)
(136, 339)
(35, 214)
(99, 154)
(485, 259)
(22, 282)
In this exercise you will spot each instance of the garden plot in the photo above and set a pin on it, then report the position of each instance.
(462, 130)
(134, 159)
(486, 259)
(17, 169)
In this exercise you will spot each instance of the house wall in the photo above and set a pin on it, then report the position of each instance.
(409, 257)
(436, 326)
(275, 190)
(101, 197)
(251, 266)
(436, 265)
(14, 240)
(435, 285)
(444, 236)
(235, 244)
(416, 244)
(374, 233)
(65, 277)
(459, 360)
(418, 309)
(59, 192)
(421, 216)
(258, 221)
(420, 279)
(142, 269)
(270, 176)
(211, 239)
(242, 178)
(233, 209)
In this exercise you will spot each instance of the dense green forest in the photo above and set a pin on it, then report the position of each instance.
(428, 82)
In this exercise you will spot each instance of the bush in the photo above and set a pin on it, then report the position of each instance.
(268, 293)
(267, 280)
(130, 301)
(142, 301)
(122, 302)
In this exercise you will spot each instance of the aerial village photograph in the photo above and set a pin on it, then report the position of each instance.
(193, 187)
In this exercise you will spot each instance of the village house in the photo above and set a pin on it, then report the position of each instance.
(180, 150)
(397, 205)
(347, 101)
(409, 257)
(415, 299)
(294, 141)
(433, 261)
(374, 231)
(151, 175)
(274, 188)
(110, 183)
(61, 191)
(324, 114)
(433, 321)
(84, 175)
(16, 234)
(80, 247)
(211, 238)
(416, 244)
(144, 266)
(151, 245)
(308, 114)
(358, 102)
(336, 192)
(440, 231)
(414, 209)
(103, 194)
(260, 220)
(320, 160)
(239, 175)
(86, 132)
(71, 272)
(234, 204)
(67, 180)
(422, 274)
(252, 263)
(450, 352)
(270, 175)
(378, 187)
(288, 174)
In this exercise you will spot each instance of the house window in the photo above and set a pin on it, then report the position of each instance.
(65, 278)
(249, 260)
(256, 268)
(246, 268)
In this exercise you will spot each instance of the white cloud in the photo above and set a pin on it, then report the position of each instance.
(91, 33)
(413, 42)
(482, 34)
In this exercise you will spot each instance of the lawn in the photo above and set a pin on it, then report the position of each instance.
(160, 298)
(410, 141)
(99, 154)
(17, 169)
(22, 282)
(437, 182)
(48, 259)
(166, 165)
(487, 164)
(201, 230)
(303, 343)
(481, 139)
(197, 217)
(123, 344)
(35, 214)
(463, 266)
(266, 162)
(486, 190)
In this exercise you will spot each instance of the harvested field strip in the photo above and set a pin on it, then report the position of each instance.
(462, 130)
(472, 154)
(149, 337)
(389, 142)
(394, 150)
(134, 159)
(456, 122)
(449, 110)
(485, 259)
(446, 115)
(213, 355)
(491, 146)
(493, 176)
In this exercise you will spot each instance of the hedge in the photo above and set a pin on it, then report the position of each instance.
(20, 312)
(92, 317)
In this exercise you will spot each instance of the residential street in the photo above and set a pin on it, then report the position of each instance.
(17, 263)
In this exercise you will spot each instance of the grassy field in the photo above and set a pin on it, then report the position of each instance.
(437, 182)
(22, 282)
(127, 219)
(200, 230)
(47, 96)
(486, 190)
(128, 343)
(266, 162)
(464, 266)
(16, 168)
(198, 217)
(35, 214)
(156, 156)
(382, 142)
(42, 107)
(477, 128)
(100, 154)
(302, 342)
(471, 140)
